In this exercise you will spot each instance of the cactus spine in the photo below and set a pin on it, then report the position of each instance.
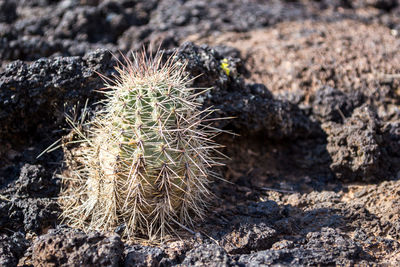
(145, 162)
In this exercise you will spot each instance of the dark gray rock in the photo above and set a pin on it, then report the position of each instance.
(70, 247)
(30, 214)
(327, 247)
(380, 4)
(249, 237)
(391, 133)
(103, 23)
(35, 3)
(34, 181)
(28, 48)
(8, 11)
(34, 97)
(142, 256)
(26, 40)
(12, 248)
(264, 209)
(207, 255)
(357, 148)
(173, 21)
(391, 136)
(331, 104)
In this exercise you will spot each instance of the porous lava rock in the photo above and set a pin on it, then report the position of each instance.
(252, 105)
(33, 95)
(12, 248)
(69, 247)
(357, 147)
(248, 237)
(331, 104)
(35, 181)
(143, 256)
(327, 247)
(28, 214)
(207, 254)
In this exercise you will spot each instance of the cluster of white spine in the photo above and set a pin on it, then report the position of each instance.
(145, 163)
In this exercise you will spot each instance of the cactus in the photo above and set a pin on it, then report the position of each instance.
(145, 161)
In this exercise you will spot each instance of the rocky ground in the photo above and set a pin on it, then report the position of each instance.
(314, 175)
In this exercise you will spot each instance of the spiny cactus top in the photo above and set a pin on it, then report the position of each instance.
(145, 162)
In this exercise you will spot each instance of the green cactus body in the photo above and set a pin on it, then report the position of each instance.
(145, 162)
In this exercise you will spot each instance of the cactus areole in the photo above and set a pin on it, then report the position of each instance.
(145, 162)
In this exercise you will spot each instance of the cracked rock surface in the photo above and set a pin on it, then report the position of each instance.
(313, 86)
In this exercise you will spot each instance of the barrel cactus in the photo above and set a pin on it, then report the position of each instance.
(143, 165)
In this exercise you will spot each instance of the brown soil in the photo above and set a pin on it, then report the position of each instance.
(297, 58)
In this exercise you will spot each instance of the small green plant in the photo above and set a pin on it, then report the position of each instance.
(145, 161)
(225, 66)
